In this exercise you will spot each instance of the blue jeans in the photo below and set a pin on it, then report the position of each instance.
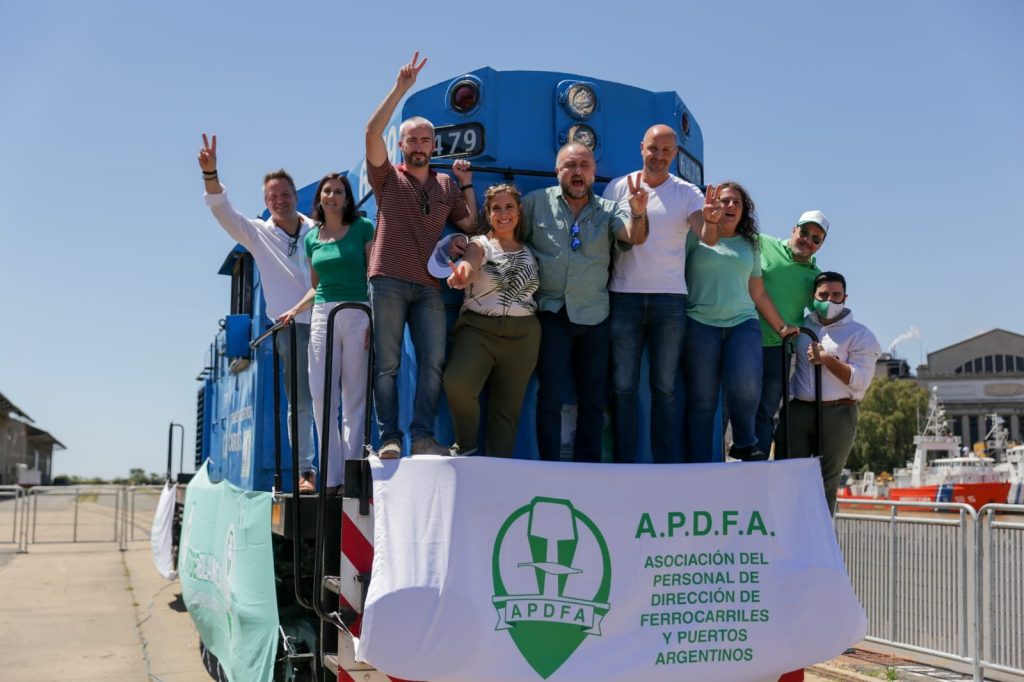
(772, 383)
(304, 401)
(576, 353)
(727, 359)
(659, 319)
(395, 302)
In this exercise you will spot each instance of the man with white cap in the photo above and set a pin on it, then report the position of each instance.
(789, 269)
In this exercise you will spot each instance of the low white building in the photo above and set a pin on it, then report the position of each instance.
(976, 377)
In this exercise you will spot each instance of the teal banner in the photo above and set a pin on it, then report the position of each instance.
(226, 568)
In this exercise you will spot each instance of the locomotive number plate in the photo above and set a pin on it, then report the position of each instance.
(465, 139)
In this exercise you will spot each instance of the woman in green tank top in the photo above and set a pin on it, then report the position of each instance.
(338, 248)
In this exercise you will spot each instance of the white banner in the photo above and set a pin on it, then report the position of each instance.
(161, 534)
(506, 570)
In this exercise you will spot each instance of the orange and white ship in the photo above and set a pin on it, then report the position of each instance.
(940, 473)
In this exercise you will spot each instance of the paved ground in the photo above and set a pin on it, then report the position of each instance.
(87, 612)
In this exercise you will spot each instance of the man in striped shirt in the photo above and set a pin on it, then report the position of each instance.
(413, 205)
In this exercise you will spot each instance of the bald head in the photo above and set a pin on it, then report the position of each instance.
(658, 149)
(571, 147)
(576, 170)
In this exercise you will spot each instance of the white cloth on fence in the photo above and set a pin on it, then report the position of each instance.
(503, 570)
(161, 535)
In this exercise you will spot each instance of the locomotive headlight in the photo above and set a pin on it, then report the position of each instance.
(581, 100)
(583, 134)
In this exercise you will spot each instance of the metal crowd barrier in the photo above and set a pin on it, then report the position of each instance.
(52, 495)
(118, 514)
(132, 508)
(939, 579)
(1002, 533)
(12, 500)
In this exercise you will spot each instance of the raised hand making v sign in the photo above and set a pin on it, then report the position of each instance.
(648, 293)
(275, 245)
(413, 205)
(713, 206)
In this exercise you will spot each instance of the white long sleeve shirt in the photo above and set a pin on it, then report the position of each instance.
(285, 277)
(850, 342)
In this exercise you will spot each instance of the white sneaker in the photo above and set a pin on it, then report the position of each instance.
(456, 451)
(429, 446)
(391, 449)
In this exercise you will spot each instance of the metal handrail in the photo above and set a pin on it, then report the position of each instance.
(181, 449)
(330, 421)
(788, 345)
(255, 343)
(293, 394)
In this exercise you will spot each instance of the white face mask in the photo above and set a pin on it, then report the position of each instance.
(828, 310)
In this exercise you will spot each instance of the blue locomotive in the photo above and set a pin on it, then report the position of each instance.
(510, 124)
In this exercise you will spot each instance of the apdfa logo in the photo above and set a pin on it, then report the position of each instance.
(552, 576)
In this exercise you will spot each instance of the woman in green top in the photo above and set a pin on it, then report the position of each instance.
(722, 349)
(338, 248)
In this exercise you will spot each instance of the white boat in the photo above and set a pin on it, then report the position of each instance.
(939, 472)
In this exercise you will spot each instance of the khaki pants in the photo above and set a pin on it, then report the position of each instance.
(500, 352)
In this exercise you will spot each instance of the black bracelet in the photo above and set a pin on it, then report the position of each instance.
(210, 174)
(463, 188)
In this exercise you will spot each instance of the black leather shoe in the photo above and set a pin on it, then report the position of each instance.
(749, 453)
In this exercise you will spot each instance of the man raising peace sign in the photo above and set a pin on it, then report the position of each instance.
(413, 205)
(572, 233)
(276, 246)
(648, 296)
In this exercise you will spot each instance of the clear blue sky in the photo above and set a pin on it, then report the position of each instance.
(901, 120)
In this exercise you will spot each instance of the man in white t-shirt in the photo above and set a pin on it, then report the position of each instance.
(648, 298)
(277, 247)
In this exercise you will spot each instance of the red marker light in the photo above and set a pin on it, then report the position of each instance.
(465, 96)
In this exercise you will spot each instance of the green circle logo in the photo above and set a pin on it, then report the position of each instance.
(552, 577)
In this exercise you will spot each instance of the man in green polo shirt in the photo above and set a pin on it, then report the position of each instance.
(572, 232)
(789, 270)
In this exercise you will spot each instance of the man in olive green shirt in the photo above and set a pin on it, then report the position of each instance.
(572, 232)
(788, 268)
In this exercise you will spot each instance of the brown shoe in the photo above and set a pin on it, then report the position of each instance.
(307, 484)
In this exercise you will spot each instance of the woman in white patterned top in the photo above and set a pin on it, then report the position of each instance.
(497, 336)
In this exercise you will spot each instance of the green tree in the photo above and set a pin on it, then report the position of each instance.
(890, 416)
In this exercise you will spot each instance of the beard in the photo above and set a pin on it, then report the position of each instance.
(576, 192)
(417, 160)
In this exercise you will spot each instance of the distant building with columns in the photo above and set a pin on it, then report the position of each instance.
(976, 377)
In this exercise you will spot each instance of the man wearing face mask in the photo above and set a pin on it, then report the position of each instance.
(846, 351)
(788, 269)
